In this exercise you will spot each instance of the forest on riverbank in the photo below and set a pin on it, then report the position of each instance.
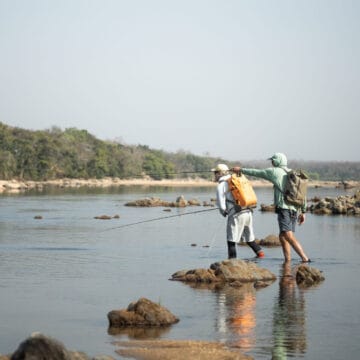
(72, 153)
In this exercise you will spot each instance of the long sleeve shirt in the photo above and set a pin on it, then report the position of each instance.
(277, 176)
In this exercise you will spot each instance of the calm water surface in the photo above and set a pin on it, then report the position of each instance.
(61, 275)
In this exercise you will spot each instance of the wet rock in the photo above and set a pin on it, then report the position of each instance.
(227, 271)
(149, 202)
(41, 347)
(103, 217)
(142, 313)
(270, 241)
(181, 202)
(153, 202)
(194, 202)
(307, 276)
(206, 203)
(267, 208)
(342, 205)
(178, 350)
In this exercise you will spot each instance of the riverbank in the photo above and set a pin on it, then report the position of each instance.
(16, 186)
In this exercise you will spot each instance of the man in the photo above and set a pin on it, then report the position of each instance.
(287, 214)
(239, 222)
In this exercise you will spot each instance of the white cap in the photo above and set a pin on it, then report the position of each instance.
(221, 168)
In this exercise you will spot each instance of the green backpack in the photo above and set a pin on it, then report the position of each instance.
(295, 188)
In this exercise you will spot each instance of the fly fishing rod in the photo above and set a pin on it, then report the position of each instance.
(160, 218)
(166, 175)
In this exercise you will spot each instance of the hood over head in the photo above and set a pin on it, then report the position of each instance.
(279, 159)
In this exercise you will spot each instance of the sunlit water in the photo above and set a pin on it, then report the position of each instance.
(62, 274)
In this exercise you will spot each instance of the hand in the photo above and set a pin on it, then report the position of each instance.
(301, 219)
(224, 213)
(236, 169)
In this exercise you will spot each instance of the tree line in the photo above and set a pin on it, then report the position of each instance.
(73, 153)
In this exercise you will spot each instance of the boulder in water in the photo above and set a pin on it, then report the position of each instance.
(227, 271)
(142, 313)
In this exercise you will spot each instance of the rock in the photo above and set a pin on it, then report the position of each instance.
(206, 203)
(181, 202)
(307, 276)
(38, 217)
(142, 313)
(342, 205)
(38, 346)
(270, 241)
(149, 202)
(194, 202)
(103, 217)
(152, 202)
(227, 271)
(41, 347)
(178, 350)
(269, 208)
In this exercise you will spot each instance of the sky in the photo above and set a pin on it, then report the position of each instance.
(227, 78)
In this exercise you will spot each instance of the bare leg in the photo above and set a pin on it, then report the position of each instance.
(285, 247)
(287, 239)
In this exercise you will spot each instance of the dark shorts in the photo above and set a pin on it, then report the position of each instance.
(286, 219)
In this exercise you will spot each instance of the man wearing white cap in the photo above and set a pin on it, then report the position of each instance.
(239, 221)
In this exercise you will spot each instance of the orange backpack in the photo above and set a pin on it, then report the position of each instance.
(242, 191)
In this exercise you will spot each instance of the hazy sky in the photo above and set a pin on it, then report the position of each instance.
(229, 78)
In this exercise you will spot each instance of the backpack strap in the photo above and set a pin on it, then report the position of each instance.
(287, 172)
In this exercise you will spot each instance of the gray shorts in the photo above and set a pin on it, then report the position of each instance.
(286, 219)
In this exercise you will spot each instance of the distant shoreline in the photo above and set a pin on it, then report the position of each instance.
(14, 186)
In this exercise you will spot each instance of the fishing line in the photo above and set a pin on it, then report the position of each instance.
(160, 218)
(213, 239)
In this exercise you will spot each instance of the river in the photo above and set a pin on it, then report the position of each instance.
(63, 273)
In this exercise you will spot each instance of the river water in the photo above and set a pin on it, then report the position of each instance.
(62, 274)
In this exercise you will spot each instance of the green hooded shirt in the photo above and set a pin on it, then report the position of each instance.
(277, 175)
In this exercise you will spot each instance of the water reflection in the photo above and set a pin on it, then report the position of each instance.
(139, 333)
(237, 319)
(289, 330)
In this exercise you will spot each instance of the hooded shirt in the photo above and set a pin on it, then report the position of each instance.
(223, 196)
(277, 175)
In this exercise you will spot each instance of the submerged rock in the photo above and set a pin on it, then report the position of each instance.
(142, 313)
(227, 271)
(153, 202)
(307, 276)
(178, 350)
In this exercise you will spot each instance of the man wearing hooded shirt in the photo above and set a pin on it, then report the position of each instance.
(239, 223)
(287, 214)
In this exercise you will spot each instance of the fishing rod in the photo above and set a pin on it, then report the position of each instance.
(160, 218)
(167, 174)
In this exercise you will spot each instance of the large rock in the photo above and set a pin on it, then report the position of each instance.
(307, 276)
(41, 347)
(142, 313)
(227, 271)
(270, 241)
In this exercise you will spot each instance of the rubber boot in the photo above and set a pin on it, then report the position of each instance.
(231, 250)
